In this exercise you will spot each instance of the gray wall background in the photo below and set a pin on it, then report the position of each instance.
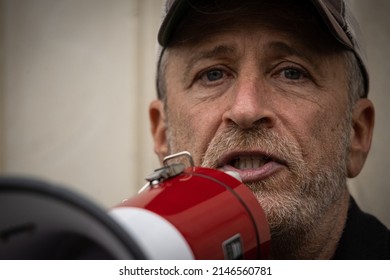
(371, 188)
(76, 78)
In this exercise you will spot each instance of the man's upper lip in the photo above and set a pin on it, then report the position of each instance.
(227, 158)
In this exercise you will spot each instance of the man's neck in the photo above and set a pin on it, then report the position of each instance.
(325, 238)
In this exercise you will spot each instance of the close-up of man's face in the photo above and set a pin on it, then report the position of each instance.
(209, 130)
(269, 98)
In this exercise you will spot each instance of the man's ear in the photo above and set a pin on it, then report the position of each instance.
(363, 118)
(159, 128)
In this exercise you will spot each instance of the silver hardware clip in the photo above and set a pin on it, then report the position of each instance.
(168, 170)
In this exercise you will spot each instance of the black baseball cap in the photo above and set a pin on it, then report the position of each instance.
(335, 14)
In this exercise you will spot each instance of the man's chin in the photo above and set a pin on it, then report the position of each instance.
(285, 209)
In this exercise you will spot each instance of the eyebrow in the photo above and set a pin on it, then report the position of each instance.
(282, 47)
(220, 50)
(217, 51)
(227, 50)
(286, 49)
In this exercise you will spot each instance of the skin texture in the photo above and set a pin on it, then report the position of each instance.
(262, 94)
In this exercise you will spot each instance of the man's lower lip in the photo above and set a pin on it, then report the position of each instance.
(256, 174)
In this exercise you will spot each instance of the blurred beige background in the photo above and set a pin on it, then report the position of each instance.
(76, 78)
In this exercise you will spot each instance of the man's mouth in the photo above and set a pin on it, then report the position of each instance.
(252, 166)
(249, 162)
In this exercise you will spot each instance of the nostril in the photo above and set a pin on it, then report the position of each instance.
(250, 118)
(262, 121)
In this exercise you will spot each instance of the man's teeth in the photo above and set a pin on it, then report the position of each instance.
(249, 162)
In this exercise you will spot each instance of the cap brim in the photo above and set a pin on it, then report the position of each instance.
(179, 8)
(171, 20)
(332, 23)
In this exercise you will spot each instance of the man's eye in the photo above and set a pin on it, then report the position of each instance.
(213, 75)
(292, 74)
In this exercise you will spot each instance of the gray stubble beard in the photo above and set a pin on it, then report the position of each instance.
(295, 206)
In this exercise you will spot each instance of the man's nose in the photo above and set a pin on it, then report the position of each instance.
(251, 105)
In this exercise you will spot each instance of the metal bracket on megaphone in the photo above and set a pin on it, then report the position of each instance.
(168, 170)
(178, 155)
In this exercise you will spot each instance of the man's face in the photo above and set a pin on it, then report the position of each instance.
(270, 105)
